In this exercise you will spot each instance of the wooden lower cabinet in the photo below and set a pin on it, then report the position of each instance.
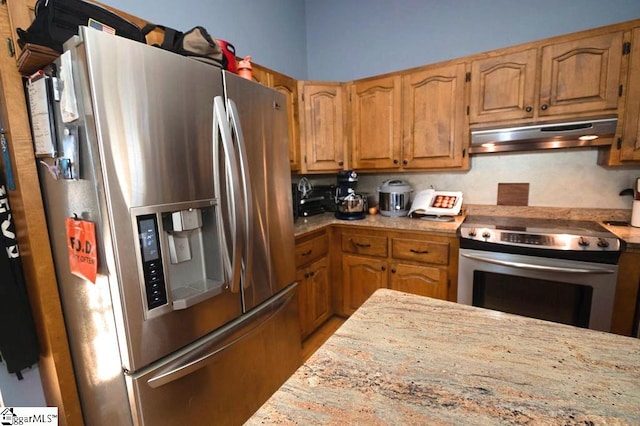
(313, 276)
(413, 262)
(361, 277)
(625, 316)
(417, 279)
(314, 296)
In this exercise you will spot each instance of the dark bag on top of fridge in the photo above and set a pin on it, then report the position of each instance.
(196, 43)
(58, 20)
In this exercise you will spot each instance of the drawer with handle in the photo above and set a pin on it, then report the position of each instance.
(370, 245)
(311, 249)
(420, 250)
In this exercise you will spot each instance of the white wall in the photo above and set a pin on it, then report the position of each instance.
(21, 393)
(567, 178)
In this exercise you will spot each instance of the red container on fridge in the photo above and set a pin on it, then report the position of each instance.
(230, 52)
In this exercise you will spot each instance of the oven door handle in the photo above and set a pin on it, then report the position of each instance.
(520, 265)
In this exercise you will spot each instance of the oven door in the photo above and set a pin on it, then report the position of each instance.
(565, 291)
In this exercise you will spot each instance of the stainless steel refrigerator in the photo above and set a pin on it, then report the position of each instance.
(184, 171)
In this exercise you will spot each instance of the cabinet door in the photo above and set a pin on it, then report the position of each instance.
(361, 276)
(503, 87)
(581, 76)
(423, 280)
(21, 14)
(314, 296)
(288, 87)
(322, 126)
(435, 123)
(375, 123)
(260, 75)
(630, 149)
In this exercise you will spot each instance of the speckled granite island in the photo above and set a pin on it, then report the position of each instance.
(405, 359)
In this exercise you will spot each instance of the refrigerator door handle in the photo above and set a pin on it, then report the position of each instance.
(234, 120)
(194, 360)
(232, 256)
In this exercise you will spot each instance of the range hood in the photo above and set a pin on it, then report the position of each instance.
(545, 136)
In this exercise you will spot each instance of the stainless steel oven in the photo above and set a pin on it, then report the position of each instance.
(556, 270)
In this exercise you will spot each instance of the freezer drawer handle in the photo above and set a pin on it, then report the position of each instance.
(203, 356)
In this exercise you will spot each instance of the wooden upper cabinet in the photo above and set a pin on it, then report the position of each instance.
(322, 134)
(630, 135)
(581, 76)
(578, 77)
(375, 111)
(21, 14)
(261, 75)
(435, 126)
(289, 88)
(503, 87)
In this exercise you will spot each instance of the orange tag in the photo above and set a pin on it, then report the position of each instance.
(81, 242)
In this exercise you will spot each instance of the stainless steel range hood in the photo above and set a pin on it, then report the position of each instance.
(545, 136)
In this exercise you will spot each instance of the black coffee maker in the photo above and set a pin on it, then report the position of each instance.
(349, 204)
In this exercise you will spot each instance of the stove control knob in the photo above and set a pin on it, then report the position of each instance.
(583, 242)
(602, 243)
(486, 234)
(472, 232)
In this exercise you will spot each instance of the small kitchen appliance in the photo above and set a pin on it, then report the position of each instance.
(319, 199)
(394, 197)
(349, 204)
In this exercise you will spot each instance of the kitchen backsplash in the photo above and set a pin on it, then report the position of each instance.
(568, 178)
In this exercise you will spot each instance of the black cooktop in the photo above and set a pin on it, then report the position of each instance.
(585, 228)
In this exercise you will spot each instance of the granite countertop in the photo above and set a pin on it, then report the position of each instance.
(304, 225)
(629, 234)
(407, 359)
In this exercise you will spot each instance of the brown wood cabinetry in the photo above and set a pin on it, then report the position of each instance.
(577, 77)
(322, 126)
(288, 86)
(435, 126)
(410, 120)
(630, 134)
(312, 271)
(375, 110)
(627, 289)
(503, 87)
(414, 262)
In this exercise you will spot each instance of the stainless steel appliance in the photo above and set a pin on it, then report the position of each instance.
(181, 168)
(557, 270)
(567, 134)
(394, 197)
(349, 204)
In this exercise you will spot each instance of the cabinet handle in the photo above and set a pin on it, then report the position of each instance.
(340, 163)
(312, 273)
(528, 108)
(395, 161)
(405, 162)
(544, 107)
(383, 268)
(307, 253)
(306, 275)
(393, 271)
(361, 245)
(419, 251)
